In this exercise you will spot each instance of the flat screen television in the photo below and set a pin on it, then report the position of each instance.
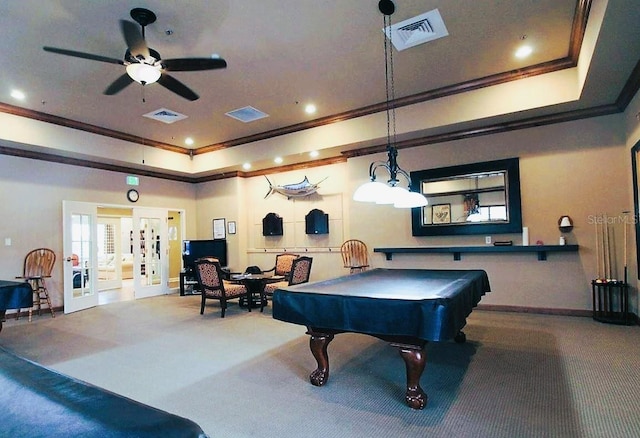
(192, 250)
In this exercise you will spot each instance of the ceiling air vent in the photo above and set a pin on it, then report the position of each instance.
(247, 114)
(165, 116)
(417, 30)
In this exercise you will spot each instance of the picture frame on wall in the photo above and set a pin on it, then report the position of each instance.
(441, 214)
(231, 227)
(219, 229)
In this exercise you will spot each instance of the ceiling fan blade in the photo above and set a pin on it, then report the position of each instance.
(135, 41)
(118, 85)
(83, 55)
(177, 87)
(193, 64)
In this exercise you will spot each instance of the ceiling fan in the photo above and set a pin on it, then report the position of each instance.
(143, 64)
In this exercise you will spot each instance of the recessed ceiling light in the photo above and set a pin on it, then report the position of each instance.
(17, 94)
(277, 160)
(310, 109)
(188, 141)
(246, 166)
(523, 52)
(314, 154)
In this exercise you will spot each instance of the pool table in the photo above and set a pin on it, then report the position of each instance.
(14, 295)
(406, 307)
(38, 401)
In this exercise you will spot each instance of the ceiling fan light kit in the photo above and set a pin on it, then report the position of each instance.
(143, 64)
(144, 74)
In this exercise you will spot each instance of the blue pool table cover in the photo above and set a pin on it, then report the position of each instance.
(430, 305)
(39, 402)
(15, 295)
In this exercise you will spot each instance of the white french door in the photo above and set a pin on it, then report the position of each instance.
(79, 221)
(150, 252)
(109, 253)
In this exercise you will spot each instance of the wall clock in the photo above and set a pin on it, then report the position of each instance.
(133, 195)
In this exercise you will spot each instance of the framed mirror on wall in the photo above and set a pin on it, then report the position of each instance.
(479, 198)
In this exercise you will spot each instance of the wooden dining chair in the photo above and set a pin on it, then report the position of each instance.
(213, 286)
(37, 267)
(355, 255)
(300, 273)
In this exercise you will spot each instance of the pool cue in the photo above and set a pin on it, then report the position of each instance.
(605, 238)
(597, 253)
(624, 224)
(605, 269)
(609, 258)
(608, 251)
(613, 254)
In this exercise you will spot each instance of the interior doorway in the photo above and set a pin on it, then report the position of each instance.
(117, 257)
(107, 259)
(115, 254)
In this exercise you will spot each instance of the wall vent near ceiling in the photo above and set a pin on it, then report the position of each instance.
(247, 114)
(165, 116)
(417, 30)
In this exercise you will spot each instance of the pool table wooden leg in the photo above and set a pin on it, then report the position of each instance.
(415, 359)
(2, 317)
(318, 344)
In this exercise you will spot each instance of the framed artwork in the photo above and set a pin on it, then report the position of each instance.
(441, 214)
(231, 227)
(219, 229)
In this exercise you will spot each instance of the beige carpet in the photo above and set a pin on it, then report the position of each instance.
(518, 375)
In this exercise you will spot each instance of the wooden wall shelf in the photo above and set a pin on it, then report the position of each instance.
(457, 251)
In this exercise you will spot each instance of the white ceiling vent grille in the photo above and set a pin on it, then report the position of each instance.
(247, 114)
(417, 30)
(165, 116)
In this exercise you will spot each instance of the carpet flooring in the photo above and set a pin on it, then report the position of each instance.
(518, 375)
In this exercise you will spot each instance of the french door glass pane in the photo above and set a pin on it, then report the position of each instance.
(81, 246)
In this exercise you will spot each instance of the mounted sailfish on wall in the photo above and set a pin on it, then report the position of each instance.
(297, 190)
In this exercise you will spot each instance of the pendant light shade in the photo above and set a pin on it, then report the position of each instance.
(389, 193)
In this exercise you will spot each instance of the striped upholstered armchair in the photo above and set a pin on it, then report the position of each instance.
(300, 273)
(213, 286)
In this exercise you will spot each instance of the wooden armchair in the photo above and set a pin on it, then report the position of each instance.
(300, 273)
(283, 265)
(355, 255)
(213, 286)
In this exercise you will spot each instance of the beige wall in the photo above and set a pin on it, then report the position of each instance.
(562, 171)
(331, 197)
(222, 199)
(577, 168)
(31, 195)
